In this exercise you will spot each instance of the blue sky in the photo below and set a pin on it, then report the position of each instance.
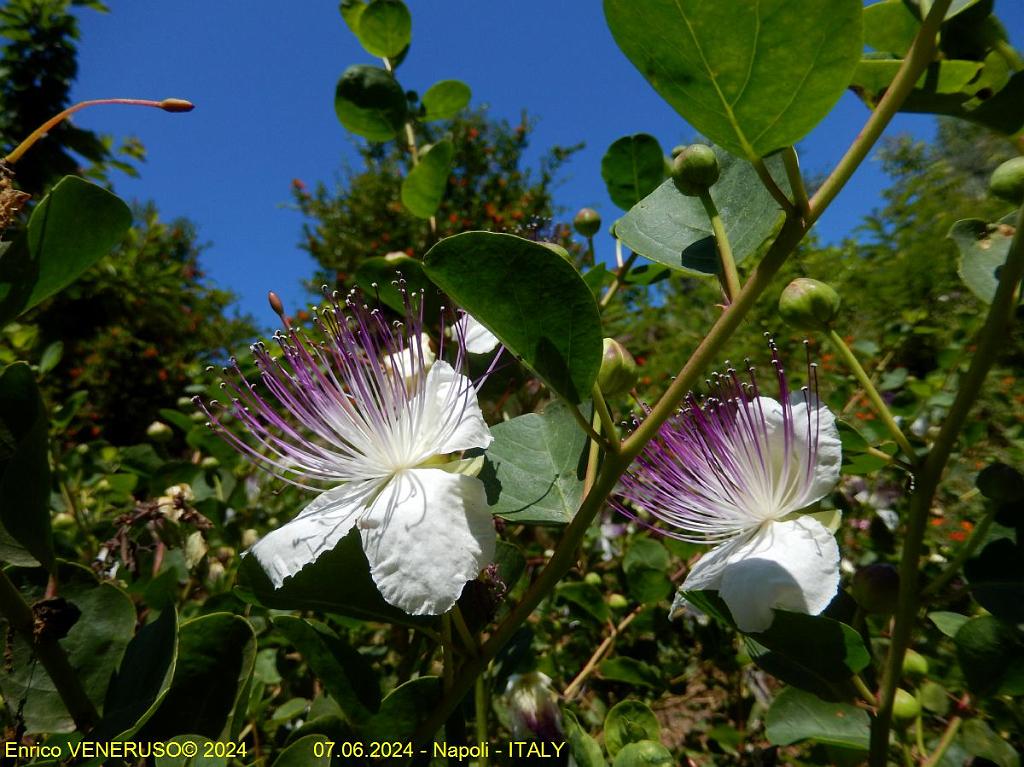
(262, 76)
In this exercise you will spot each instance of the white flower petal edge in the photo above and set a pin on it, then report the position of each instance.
(427, 533)
(829, 450)
(447, 391)
(478, 339)
(791, 565)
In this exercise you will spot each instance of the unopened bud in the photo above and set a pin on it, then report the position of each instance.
(695, 169)
(876, 588)
(158, 431)
(905, 706)
(619, 370)
(249, 538)
(617, 601)
(1007, 182)
(62, 521)
(592, 578)
(587, 222)
(914, 664)
(807, 304)
(1000, 482)
(209, 462)
(177, 105)
(275, 304)
(532, 707)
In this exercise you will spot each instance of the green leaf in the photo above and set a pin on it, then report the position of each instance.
(404, 710)
(345, 675)
(948, 623)
(983, 250)
(204, 745)
(423, 189)
(890, 27)
(583, 748)
(534, 301)
(981, 740)
(996, 577)
(632, 168)
(71, 228)
(991, 656)
(585, 596)
(445, 99)
(141, 682)
(94, 645)
(856, 458)
(302, 753)
(216, 656)
(370, 102)
(645, 565)
(352, 591)
(351, 12)
(674, 230)
(629, 721)
(753, 76)
(631, 671)
(796, 715)
(377, 277)
(644, 753)
(25, 537)
(385, 28)
(533, 471)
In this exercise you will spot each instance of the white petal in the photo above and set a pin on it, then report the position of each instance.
(452, 417)
(316, 530)
(792, 565)
(829, 454)
(427, 534)
(478, 339)
(706, 574)
(407, 362)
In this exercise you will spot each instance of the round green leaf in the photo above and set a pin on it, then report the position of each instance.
(445, 99)
(644, 753)
(674, 230)
(629, 721)
(983, 250)
(533, 470)
(583, 748)
(24, 471)
(585, 596)
(890, 26)
(632, 168)
(370, 103)
(533, 300)
(423, 189)
(752, 75)
(991, 655)
(385, 28)
(796, 715)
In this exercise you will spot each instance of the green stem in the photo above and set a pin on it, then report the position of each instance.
(869, 388)
(593, 458)
(49, 652)
(589, 256)
(769, 183)
(977, 536)
(587, 428)
(730, 277)
(620, 276)
(796, 181)
(864, 690)
(482, 709)
(947, 738)
(607, 422)
(990, 339)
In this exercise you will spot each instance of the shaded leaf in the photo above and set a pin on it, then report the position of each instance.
(983, 250)
(632, 168)
(796, 715)
(585, 596)
(370, 103)
(991, 655)
(644, 753)
(423, 189)
(631, 671)
(404, 710)
(302, 753)
(583, 748)
(629, 721)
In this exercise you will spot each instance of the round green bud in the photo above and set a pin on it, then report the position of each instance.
(249, 538)
(158, 431)
(1007, 182)
(198, 416)
(807, 304)
(617, 602)
(905, 706)
(209, 462)
(914, 664)
(587, 222)
(677, 150)
(592, 578)
(62, 521)
(999, 482)
(619, 370)
(876, 588)
(185, 403)
(695, 170)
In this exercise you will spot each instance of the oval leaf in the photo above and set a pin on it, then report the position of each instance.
(752, 75)
(423, 188)
(533, 300)
(983, 250)
(629, 721)
(370, 103)
(385, 28)
(445, 99)
(632, 168)
(796, 715)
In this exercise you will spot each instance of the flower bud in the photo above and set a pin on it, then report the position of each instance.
(209, 462)
(617, 601)
(619, 370)
(249, 538)
(532, 707)
(695, 169)
(876, 588)
(905, 706)
(914, 664)
(807, 304)
(1007, 182)
(158, 431)
(62, 521)
(587, 222)
(999, 482)
(592, 578)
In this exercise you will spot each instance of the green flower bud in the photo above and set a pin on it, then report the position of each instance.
(695, 170)
(876, 588)
(1007, 182)
(905, 706)
(619, 370)
(677, 150)
(158, 431)
(1000, 482)
(209, 462)
(914, 664)
(587, 222)
(617, 602)
(62, 521)
(807, 304)
(592, 578)
(198, 416)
